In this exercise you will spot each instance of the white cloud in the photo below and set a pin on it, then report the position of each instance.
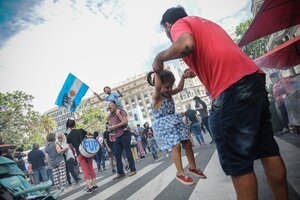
(101, 47)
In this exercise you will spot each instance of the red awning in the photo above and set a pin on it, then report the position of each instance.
(284, 56)
(273, 16)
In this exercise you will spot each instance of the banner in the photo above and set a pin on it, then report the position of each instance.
(71, 93)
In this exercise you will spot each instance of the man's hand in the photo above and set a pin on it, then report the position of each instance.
(158, 64)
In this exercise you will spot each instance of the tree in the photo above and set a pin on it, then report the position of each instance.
(19, 123)
(47, 124)
(92, 120)
(17, 117)
(255, 48)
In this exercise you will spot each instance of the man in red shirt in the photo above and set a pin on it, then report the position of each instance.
(240, 117)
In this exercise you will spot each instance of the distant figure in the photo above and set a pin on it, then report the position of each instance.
(201, 107)
(100, 155)
(153, 145)
(109, 142)
(279, 92)
(195, 125)
(111, 96)
(18, 158)
(37, 158)
(139, 131)
(147, 130)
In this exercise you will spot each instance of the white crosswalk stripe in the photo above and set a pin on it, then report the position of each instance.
(125, 182)
(217, 179)
(158, 184)
(81, 192)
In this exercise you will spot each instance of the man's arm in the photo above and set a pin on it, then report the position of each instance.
(106, 145)
(182, 47)
(100, 98)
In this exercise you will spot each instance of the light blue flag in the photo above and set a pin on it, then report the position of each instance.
(71, 93)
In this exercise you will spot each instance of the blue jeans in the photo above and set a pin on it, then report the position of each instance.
(100, 159)
(123, 143)
(240, 122)
(40, 171)
(196, 129)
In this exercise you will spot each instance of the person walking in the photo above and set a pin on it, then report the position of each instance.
(75, 137)
(201, 107)
(118, 122)
(240, 116)
(147, 130)
(168, 128)
(152, 145)
(139, 131)
(100, 155)
(36, 158)
(195, 124)
(133, 146)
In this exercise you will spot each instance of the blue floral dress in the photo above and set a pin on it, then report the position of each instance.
(168, 127)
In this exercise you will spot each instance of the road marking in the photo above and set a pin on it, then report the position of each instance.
(216, 186)
(159, 183)
(81, 192)
(125, 182)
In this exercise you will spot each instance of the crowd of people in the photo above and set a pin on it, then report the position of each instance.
(238, 122)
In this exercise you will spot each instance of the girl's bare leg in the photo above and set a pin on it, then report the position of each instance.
(177, 158)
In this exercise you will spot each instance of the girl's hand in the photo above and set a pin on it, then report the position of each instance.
(188, 73)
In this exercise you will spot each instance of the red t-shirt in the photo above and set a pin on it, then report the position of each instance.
(216, 59)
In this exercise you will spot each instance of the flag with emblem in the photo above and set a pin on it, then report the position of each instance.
(71, 93)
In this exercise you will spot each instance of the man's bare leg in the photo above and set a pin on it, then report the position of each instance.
(276, 173)
(245, 186)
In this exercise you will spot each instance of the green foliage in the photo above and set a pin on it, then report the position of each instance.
(255, 48)
(47, 124)
(19, 123)
(92, 120)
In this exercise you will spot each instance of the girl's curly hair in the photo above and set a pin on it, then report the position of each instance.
(165, 77)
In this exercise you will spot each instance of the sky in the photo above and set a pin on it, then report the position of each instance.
(102, 42)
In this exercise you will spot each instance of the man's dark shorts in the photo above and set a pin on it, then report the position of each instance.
(241, 125)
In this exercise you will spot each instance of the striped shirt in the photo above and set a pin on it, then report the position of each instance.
(115, 120)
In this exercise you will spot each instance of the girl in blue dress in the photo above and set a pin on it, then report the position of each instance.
(168, 128)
